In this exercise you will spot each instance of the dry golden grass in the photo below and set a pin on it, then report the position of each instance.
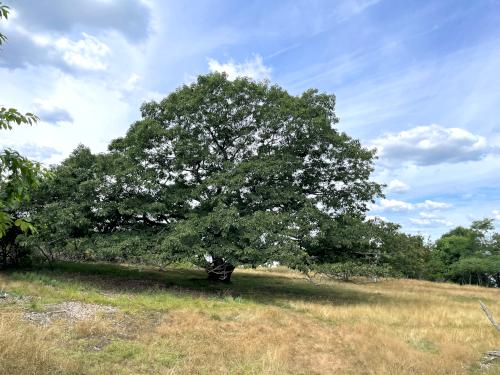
(27, 349)
(264, 323)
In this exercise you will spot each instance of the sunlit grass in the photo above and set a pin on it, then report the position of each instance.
(265, 322)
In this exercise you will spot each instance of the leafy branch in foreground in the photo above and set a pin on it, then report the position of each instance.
(4, 13)
(18, 176)
(9, 116)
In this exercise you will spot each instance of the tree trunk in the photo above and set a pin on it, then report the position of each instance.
(219, 270)
(494, 354)
(4, 257)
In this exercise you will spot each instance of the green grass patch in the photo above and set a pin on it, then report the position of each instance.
(424, 345)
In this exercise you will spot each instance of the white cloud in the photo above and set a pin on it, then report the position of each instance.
(432, 205)
(431, 222)
(432, 144)
(428, 215)
(398, 205)
(397, 186)
(39, 39)
(87, 53)
(429, 219)
(496, 214)
(253, 68)
(131, 83)
(392, 205)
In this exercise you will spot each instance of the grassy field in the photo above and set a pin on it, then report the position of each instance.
(265, 322)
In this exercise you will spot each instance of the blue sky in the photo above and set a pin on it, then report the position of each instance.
(418, 80)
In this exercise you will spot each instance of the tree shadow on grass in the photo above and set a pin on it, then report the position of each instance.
(271, 289)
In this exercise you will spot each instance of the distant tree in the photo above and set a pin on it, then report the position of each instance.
(468, 255)
(62, 206)
(481, 270)
(89, 211)
(371, 248)
(404, 253)
(241, 172)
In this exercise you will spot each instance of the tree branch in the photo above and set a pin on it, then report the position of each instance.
(489, 315)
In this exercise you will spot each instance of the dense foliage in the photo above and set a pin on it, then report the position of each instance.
(468, 255)
(236, 172)
(224, 173)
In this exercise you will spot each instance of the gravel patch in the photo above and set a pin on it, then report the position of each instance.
(6, 298)
(70, 310)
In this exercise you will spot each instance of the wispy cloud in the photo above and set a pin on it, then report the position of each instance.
(252, 68)
(397, 186)
(351, 8)
(399, 205)
(430, 222)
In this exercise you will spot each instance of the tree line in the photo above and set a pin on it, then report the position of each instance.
(222, 174)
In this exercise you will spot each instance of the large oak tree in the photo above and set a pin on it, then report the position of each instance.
(241, 172)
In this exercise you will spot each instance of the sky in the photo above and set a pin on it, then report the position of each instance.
(417, 80)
